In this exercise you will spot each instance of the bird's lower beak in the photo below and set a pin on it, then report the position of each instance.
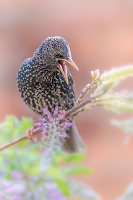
(63, 67)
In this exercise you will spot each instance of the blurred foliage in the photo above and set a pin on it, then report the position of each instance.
(20, 165)
(126, 125)
(116, 102)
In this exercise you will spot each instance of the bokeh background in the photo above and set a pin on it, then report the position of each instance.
(100, 35)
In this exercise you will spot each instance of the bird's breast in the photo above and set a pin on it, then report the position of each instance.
(39, 95)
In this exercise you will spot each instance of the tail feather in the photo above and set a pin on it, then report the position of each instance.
(74, 143)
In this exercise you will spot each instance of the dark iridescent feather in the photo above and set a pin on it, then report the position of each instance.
(42, 84)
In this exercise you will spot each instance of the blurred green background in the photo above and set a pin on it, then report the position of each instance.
(100, 34)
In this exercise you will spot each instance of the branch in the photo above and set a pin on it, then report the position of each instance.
(14, 141)
(69, 114)
(76, 107)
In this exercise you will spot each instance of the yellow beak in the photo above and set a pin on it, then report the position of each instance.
(63, 68)
(72, 63)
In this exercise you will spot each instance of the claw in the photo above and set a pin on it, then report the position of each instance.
(61, 112)
(29, 134)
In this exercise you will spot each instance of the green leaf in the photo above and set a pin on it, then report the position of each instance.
(27, 122)
(108, 85)
(64, 187)
(55, 173)
(116, 74)
(3, 125)
(23, 143)
(9, 119)
(75, 158)
(118, 105)
(78, 170)
(125, 125)
(5, 136)
(32, 147)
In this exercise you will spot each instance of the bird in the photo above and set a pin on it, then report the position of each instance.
(44, 81)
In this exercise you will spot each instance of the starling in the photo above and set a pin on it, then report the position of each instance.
(45, 81)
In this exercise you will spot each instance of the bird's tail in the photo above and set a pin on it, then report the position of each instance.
(74, 143)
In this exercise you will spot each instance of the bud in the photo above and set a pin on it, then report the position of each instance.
(95, 74)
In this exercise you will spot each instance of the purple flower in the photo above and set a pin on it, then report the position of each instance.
(2, 196)
(28, 195)
(6, 184)
(7, 161)
(53, 192)
(16, 197)
(53, 133)
(55, 111)
(16, 175)
(50, 186)
(15, 188)
(2, 171)
(36, 197)
(11, 190)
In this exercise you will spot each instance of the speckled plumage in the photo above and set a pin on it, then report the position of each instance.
(41, 83)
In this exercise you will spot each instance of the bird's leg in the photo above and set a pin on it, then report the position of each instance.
(29, 133)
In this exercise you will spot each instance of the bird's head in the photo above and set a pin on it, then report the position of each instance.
(56, 54)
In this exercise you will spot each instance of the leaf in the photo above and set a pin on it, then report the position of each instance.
(27, 122)
(22, 143)
(125, 125)
(118, 106)
(116, 74)
(64, 187)
(108, 85)
(9, 119)
(75, 158)
(32, 147)
(3, 125)
(78, 170)
(55, 173)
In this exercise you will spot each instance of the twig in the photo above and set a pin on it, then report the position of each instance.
(95, 76)
(84, 92)
(76, 107)
(69, 114)
(14, 141)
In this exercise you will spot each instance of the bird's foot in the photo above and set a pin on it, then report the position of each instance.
(61, 112)
(29, 134)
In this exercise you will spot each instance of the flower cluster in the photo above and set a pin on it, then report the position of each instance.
(53, 192)
(53, 134)
(11, 191)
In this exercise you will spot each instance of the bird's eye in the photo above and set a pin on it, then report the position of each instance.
(58, 56)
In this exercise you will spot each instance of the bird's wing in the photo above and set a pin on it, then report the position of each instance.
(74, 143)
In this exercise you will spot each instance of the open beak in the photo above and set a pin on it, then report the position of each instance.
(63, 67)
(70, 61)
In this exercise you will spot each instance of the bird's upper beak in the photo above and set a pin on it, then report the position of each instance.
(63, 67)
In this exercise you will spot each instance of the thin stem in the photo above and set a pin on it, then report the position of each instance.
(85, 91)
(14, 141)
(23, 172)
(76, 107)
